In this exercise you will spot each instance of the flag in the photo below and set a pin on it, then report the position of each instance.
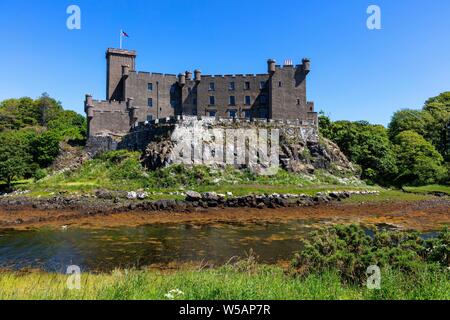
(124, 34)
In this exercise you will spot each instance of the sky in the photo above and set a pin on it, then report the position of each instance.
(357, 73)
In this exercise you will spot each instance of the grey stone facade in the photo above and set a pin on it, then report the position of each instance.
(134, 98)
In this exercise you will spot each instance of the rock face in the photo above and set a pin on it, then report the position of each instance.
(215, 142)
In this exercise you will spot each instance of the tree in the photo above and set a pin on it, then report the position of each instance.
(69, 126)
(418, 161)
(18, 113)
(408, 119)
(45, 148)
(48, 107)
(432, 122)
(14, 157)
(366, 145)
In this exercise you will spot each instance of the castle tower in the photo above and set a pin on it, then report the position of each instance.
(288, 91)
(119, 63)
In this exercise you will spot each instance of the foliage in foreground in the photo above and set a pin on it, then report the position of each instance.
(349, 250)
(225, 283)
(411, 268)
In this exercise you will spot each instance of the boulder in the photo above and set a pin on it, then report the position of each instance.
(193, 196)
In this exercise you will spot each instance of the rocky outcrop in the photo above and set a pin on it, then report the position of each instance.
(299, 146)
(306, 157)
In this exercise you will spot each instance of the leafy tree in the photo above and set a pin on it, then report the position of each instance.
(417, 160)
(48, 107)
(69, 126)
(408, 119)
(18, 113)
(14, 157)
(432, 122)
(45, 148)
(366, 145)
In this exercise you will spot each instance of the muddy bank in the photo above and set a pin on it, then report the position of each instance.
(419, 215)
(106, 203)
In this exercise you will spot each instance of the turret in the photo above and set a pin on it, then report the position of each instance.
(198, 75)
(306, 65)
(88, 106)
(271, 66)
(181, 79)
(188, 75)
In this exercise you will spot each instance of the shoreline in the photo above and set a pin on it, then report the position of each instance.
(420, 215)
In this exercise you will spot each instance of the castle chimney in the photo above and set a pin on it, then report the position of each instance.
(271, 66)
(198, 75)
(288, 63)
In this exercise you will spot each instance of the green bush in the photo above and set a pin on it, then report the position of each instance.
(351, 250)
(39, 174)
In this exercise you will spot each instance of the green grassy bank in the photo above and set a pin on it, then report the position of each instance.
(265, 282)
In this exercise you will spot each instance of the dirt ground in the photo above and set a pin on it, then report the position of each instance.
(419, 215)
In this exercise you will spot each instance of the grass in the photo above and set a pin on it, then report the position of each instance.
(386, 195)
(225, 283)
(429, 189)
(122, 171)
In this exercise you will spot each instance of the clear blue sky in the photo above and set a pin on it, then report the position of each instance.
(356, 73)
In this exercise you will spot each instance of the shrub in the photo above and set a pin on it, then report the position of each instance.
(39, 174)
(350, 250)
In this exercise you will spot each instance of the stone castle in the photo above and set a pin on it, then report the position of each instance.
(138, 98)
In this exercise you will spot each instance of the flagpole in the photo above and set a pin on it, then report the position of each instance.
(121, 38)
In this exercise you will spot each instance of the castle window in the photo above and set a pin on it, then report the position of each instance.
(232, 113)
(262, 85)
(247, 114)
(150, 87)
(298, 102)
(280, 84)
(212, 113)
(212, 86)
(149, 117)
(212, 100)
(247, 85)
(232, 100)
(231, 86)
(248, 100)
(150, 102)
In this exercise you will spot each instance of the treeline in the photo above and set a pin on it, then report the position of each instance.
(413, 150)
(31, 131)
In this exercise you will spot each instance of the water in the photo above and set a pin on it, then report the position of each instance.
(127, 247)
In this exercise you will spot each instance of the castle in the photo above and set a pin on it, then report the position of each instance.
(134, 98)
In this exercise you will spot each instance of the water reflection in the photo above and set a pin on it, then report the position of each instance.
(106, 249)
